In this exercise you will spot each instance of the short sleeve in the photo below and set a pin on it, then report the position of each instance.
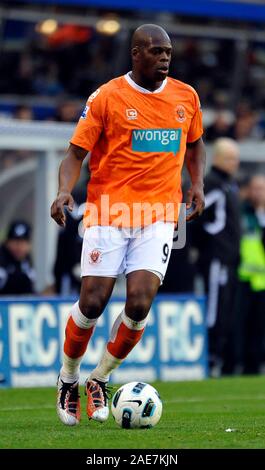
(90, 124)
(196, 126)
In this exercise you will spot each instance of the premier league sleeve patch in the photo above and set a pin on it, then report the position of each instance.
(84, 113)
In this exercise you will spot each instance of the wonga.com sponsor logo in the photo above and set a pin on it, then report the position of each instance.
(156, 140)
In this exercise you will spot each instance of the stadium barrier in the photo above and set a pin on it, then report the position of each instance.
(174, 346)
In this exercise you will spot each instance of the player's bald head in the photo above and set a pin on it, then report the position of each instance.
(151, 55)
(148, 33)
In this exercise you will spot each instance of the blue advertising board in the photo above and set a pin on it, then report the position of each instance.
(174, 345)
(249, 10)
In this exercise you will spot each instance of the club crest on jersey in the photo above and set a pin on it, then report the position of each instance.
(131, 114)
(180, 113)
(95, 256)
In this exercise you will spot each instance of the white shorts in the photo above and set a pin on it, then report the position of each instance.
(109, 251)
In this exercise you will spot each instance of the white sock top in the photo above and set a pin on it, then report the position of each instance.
(81, 320)
(133, 325)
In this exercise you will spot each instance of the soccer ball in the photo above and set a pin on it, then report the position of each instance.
(136, 405)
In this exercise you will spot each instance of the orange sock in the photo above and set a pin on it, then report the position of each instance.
(76, 339)
(124, 336)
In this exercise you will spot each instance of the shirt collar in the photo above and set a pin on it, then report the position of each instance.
(140, 88)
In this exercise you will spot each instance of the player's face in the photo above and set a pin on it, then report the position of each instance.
(154, 59)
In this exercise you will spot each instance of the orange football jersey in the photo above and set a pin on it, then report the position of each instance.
(137, 141)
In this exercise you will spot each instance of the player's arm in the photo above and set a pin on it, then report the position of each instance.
(195, 159)
(69, 173)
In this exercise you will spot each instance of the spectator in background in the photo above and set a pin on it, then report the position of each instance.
(68, 111)
(46, 81)
(24, 113)
(67, 268)
(216, 236)
(16, 272)
(246, 124)
(23, 73)
(221, 127)
(251, 298)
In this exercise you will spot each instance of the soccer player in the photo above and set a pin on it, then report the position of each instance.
(139, 128)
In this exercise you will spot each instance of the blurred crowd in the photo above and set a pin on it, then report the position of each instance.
(52, 75)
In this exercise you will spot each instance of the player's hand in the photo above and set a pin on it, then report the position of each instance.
(63, 200)
(195, 202)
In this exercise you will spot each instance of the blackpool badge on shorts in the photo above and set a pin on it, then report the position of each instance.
(95, 256)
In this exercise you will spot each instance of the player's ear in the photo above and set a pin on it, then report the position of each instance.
(135, 51)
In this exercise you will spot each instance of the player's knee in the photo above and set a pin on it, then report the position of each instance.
(138, 305)
(92, 306)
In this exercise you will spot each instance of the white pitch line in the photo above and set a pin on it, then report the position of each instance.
(222, 399)
(27, 408)
(174, 400)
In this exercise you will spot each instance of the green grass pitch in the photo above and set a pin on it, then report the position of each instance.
(195, 415)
